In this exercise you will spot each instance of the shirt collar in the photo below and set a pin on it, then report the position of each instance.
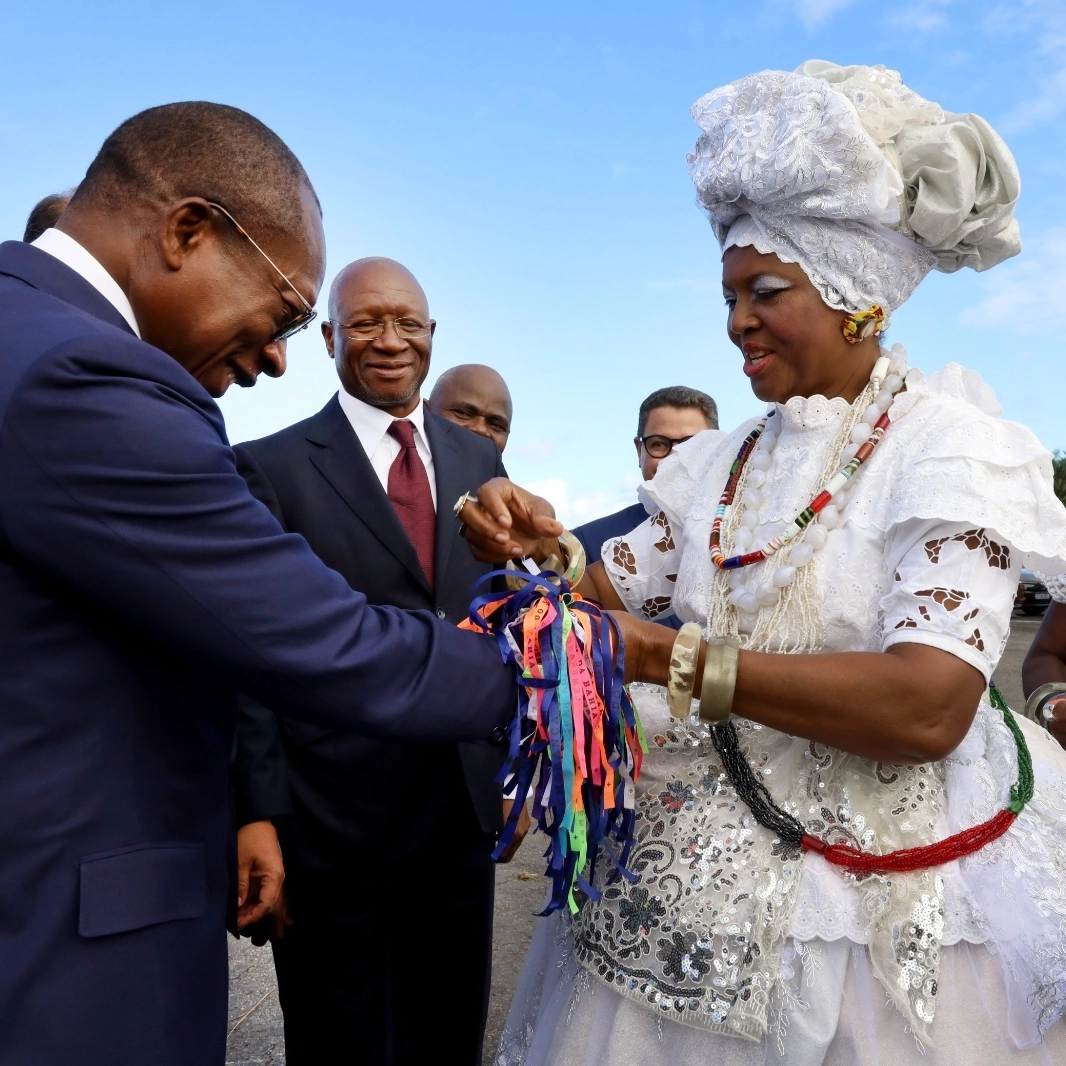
(372, 423)
(68, 251)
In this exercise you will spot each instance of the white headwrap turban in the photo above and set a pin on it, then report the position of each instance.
(850, 174)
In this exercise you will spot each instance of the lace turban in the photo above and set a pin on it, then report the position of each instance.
(850, 174)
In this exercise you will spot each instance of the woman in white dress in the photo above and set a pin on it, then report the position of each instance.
(868, 631)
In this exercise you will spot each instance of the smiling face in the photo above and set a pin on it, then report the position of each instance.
(386, 371)
(476, 397)
(218, 304)
(791, 341)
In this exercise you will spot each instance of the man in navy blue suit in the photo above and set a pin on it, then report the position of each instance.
(141, 586)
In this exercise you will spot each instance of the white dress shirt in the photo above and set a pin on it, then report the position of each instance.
(371, 425)
(67, 250)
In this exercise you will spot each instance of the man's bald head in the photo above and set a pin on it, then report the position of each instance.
(379, 334)
(373, 272)
(45, 214)
(477, 397)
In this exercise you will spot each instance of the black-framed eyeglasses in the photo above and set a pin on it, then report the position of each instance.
(659, 447)
(370, 329)
(303, 318)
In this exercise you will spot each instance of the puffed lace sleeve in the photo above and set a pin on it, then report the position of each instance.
(643, 564)
(965, 501)
(952, 588)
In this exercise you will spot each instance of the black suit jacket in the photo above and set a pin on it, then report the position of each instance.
(348, 792)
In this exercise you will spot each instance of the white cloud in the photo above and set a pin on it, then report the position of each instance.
(922, 18)
(1018, 295)
(1048, 103)
(1042, 25)
(813, 12)
(576, 510)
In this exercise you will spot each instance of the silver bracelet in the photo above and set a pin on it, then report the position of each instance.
(1034, 705)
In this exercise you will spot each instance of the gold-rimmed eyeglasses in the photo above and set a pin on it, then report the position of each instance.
(371, 328)
(304, 318)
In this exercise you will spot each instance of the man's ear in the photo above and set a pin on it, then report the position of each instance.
(638, 446)
(327, 336)
(188, 225)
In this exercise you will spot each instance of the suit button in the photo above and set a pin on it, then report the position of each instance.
(498, 735)
(440, 612)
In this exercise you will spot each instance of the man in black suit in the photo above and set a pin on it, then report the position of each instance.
(387, 846)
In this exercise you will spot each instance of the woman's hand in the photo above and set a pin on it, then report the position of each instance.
(507, 522)
(647, 647)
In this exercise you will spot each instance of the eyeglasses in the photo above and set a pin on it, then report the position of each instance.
(658, 447)
(304, 318)
(369, 329)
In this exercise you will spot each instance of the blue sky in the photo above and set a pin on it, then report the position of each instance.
(528, 163)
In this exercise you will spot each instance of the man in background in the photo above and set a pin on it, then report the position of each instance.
(386, 845)
(477, 397)
(667, 418)
(45, 214)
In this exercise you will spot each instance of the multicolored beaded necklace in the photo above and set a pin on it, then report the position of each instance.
(791, 834)
(811, 511)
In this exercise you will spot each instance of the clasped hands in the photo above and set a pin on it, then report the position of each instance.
(505, 522)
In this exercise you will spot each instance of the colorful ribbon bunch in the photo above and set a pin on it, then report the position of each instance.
(575, 739)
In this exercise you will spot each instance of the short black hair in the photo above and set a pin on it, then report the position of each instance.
(195, 148)
(678, 396)
(45, 214)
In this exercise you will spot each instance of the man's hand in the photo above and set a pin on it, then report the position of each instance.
(520, 829)
(261, 910)
(507, 522)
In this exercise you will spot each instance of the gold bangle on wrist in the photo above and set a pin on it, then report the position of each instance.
(570, 566)
(682, 677)
(719, 681)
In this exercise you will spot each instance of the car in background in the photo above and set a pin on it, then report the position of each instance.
(1032, 596)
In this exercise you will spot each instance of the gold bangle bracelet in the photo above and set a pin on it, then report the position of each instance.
(719, 681)
(682, 676)
(571, 566)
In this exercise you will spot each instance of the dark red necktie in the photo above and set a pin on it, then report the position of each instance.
(410, 495)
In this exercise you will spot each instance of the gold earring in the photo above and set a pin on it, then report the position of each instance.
(859, 325)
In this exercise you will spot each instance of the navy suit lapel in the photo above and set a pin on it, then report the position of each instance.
(45, 272)
(451, 484)
(340, 459)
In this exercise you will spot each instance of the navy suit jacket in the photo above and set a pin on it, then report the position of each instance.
(141, 585)
(593, 534)
(353, 794)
